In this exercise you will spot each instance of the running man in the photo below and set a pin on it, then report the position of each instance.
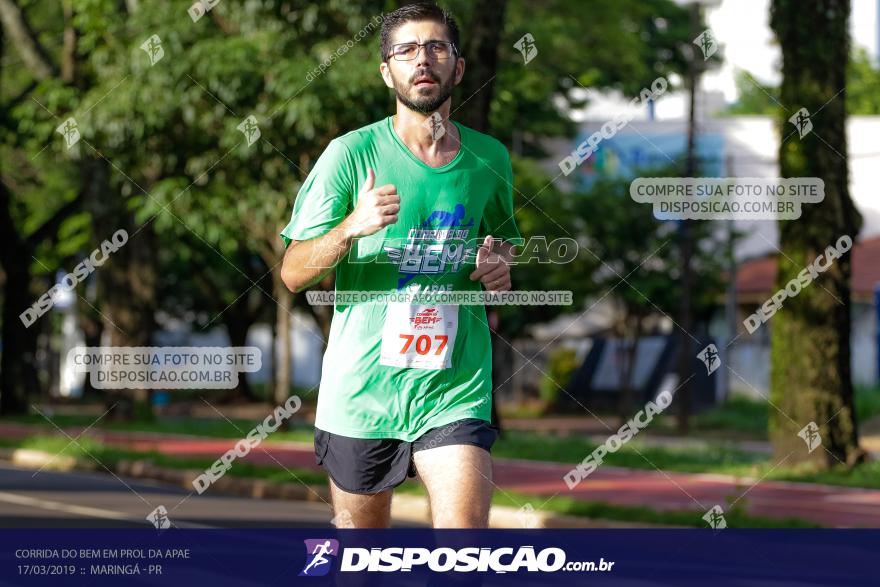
(319, 552)
(414, 202)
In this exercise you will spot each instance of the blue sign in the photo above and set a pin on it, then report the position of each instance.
(595, 557)
(629, 154)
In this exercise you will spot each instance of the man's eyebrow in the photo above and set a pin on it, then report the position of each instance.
(428, 41)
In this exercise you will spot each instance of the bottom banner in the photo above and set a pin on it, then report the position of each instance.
(240, 557)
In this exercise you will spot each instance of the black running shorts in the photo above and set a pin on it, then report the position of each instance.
(371, 465)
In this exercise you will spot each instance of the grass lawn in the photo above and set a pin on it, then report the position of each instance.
(738, 415)
(635, 454)
(746, 418)
(739, 418)
(213, 427)
(90, 449)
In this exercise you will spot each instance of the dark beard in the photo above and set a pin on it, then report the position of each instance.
(427, 104)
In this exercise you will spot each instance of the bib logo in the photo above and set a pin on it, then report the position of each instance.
(425, 319)
(320, 555)
(437, 246)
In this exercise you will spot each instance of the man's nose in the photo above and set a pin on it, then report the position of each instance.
(422, 58)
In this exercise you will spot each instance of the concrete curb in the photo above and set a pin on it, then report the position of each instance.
(404, 507)
(38, 459)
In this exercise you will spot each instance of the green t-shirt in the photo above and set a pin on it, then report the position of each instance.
(396, 370)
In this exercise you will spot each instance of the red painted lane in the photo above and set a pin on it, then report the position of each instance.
(822, 504)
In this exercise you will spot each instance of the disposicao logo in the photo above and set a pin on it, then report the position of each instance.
(321, 555)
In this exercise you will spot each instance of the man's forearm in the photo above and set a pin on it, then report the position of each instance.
(307, 262)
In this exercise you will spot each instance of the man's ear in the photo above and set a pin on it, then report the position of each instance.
(459, 70)
(385, 71)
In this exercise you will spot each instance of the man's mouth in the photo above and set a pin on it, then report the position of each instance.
(424, 82)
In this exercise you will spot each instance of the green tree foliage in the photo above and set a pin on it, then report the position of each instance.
(161, 155)
(754, 97)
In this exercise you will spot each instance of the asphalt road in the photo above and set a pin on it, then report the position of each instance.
(100, 500)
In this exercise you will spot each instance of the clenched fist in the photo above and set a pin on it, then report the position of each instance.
(493, 267)
(376, 208)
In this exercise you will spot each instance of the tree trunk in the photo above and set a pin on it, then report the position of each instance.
(18, 372)
(238, 320)
(32, 53)
(126, 282)
(632, 329)
(685, 233)
(810, 350)
(18, 368)
(17, 363)
(481, 52)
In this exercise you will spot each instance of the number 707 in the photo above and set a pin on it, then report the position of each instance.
(423, 343)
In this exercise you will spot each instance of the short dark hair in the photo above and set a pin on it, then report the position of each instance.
(416, 12)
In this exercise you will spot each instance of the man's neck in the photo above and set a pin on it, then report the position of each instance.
(427, 138)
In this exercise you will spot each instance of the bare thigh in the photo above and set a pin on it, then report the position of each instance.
(355, 510)
(459, 483)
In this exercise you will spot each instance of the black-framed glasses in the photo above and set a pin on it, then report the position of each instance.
(435, 49)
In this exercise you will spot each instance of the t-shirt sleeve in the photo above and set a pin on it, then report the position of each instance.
(498, 219)
(324, 199)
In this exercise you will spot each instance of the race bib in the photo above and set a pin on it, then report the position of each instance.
(419, 336)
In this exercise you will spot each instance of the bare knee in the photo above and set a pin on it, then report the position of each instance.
(472, 517)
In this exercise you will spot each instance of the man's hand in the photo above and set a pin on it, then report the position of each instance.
(493, 268)
(376, 208)
(307, 262)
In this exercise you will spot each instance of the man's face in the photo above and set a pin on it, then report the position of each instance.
(422, 84)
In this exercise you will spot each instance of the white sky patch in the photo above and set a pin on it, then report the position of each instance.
(742, 29)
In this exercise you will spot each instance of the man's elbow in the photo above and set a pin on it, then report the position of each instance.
(289, 277)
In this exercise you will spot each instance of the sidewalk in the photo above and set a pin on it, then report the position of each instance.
(822, 504)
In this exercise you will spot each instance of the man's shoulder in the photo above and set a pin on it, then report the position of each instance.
(359, 137)
(484, 145)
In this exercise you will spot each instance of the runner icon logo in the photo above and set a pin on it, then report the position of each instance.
(810, 434)
(709, 356)
(715, 518)
(320, 555)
